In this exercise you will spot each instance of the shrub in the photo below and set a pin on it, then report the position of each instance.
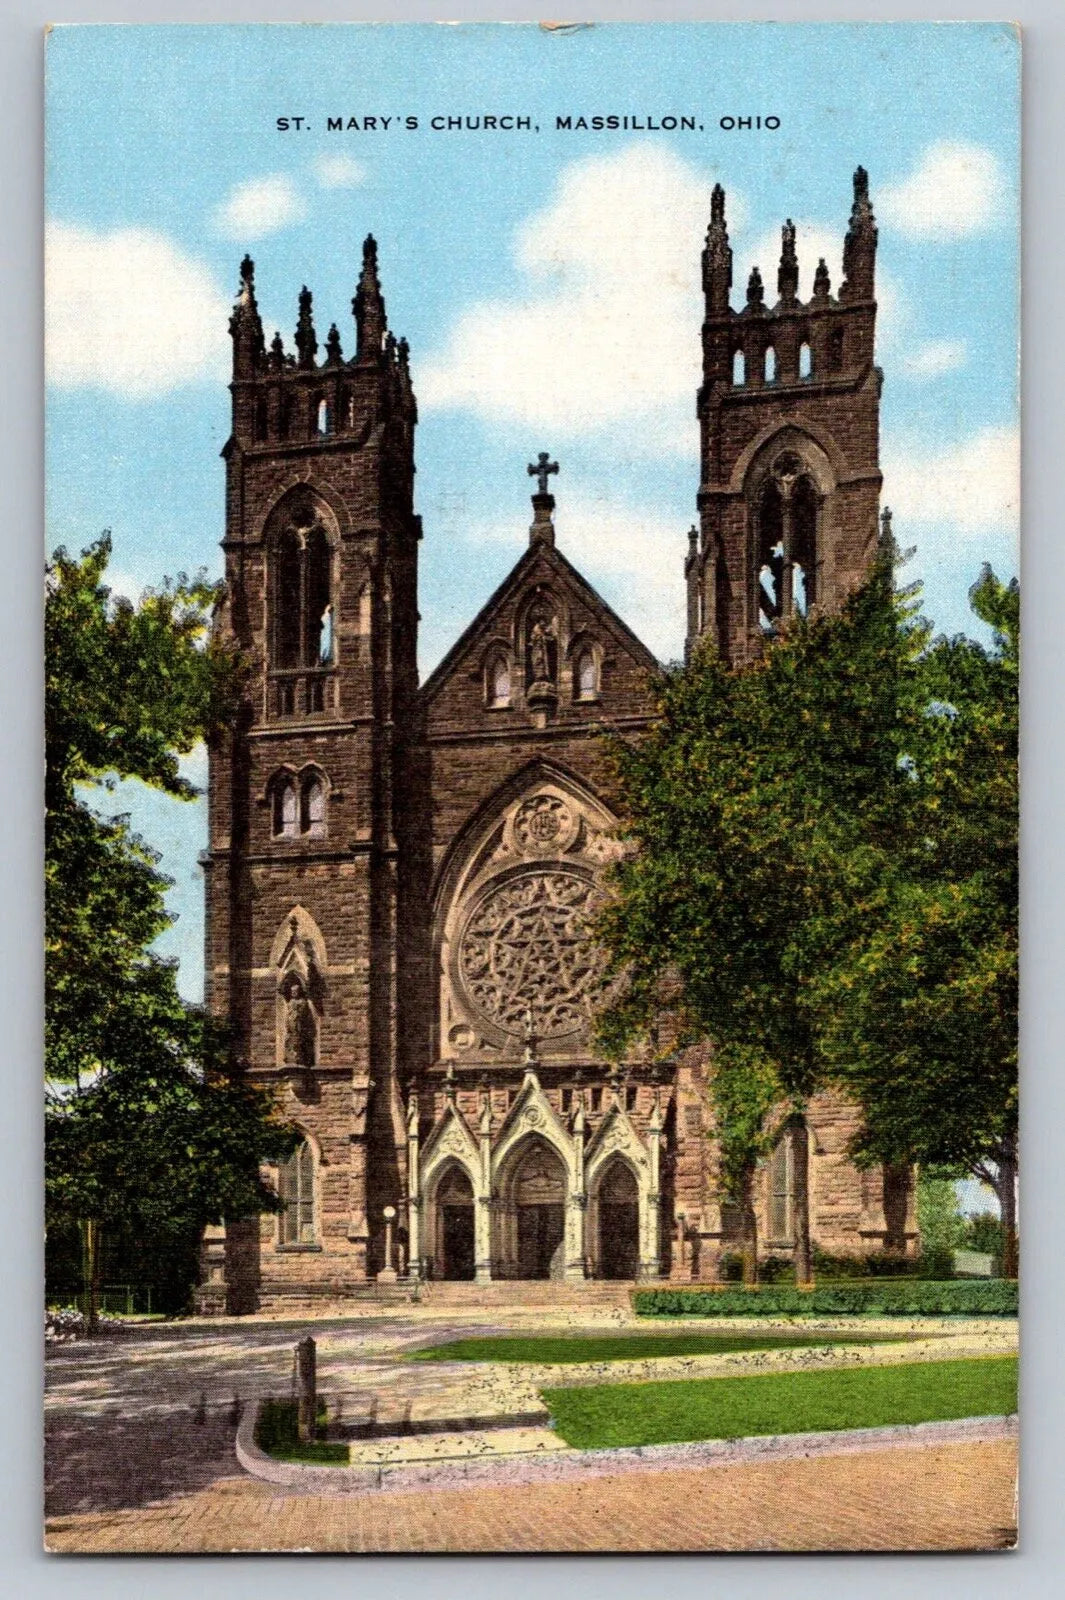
(984, 1232)
(872, 1297)
(776, 1269)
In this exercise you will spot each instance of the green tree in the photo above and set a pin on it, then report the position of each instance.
(919, 1004)
(147, 1123)
(760, 802)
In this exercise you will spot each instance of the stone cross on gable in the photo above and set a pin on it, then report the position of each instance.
(544, 465)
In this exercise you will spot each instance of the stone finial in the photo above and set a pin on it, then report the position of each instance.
(755, 290)
(788, 271)
(245, 325)
(306, 342)
(368, 305)
(333, 352)
(859, 247)
(277, 352)
(717, 257)
(822, 281)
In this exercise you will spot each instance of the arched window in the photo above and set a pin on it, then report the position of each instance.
(782, 1191)
(585, 675)
(769, 370)
(288, 414)
(325, 417)
(304, 632)
(312, 807)
(296, 1192)
(804, 545)
(286, 809)
(497, 681)
(769, 562)
(739, 369)
(288, 595)
(806, 365)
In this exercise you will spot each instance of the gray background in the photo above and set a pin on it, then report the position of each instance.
(23, 1571)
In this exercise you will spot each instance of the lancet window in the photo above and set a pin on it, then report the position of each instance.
(786, 516)
(296, 1192)
(303, 632)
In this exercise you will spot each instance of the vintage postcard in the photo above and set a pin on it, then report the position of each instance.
(532, 645)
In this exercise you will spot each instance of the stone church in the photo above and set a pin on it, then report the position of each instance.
(400, 874)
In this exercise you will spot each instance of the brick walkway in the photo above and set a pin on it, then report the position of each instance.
(957, 1497)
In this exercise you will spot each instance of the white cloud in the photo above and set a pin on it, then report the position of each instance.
(956, 190)
(260, 206)
(129, 311)
(973, 485)
(606, 332)
(933, 359)
(339, 171)
(632, 555)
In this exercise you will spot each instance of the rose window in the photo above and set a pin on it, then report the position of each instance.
(527, 947)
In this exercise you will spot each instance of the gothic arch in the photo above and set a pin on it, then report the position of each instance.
(524, 871)
(818, 451)
(307, 485)
(298, 937)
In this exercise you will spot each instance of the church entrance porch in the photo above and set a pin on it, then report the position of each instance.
(532, 1214)
(455, 1226)
(619, 1223)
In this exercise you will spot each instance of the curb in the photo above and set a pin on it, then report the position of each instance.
(556, 1467)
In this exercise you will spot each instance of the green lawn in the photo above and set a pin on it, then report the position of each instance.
(549, 1349)
(786, 1402)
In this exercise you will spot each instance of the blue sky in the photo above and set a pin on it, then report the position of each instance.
(547, 281)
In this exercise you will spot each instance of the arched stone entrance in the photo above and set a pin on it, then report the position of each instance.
(619, 1221)
(455, 1253)
(532, 1212)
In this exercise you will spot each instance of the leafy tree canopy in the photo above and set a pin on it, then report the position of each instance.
(145, 1122)
(823, 857)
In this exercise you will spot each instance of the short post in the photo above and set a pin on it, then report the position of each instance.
(388, 1272)
(306, 1387)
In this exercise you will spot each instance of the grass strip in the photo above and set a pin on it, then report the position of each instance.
(548, 1350)
(277, 1433)
(677, 1412)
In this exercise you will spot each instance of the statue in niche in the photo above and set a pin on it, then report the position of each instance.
(301, 1033)
(543, 637)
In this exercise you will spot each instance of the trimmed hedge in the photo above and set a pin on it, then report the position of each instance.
(884, 1297)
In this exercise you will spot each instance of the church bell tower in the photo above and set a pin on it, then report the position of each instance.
(310, 862)
(789, 427)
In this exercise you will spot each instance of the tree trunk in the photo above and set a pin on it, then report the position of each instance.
(750, 1230)
(1006, 1190)
(90, 1269)
(804, 1255)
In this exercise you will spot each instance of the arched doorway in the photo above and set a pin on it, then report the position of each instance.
(619, 1222)
(454, 1222)
(537, 1196)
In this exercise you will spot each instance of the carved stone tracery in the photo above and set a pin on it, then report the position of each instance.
(526, 944)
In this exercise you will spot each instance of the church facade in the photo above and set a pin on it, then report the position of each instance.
(399, 875)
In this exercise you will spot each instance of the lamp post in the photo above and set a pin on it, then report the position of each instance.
(387, 1273)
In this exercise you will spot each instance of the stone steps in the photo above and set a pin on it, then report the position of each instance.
(529, 1292)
